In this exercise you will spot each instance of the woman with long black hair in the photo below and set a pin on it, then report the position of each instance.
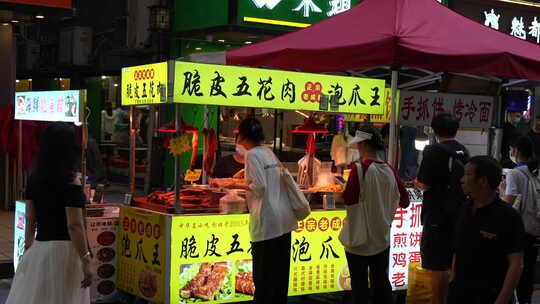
(56, 267)
(518, 185)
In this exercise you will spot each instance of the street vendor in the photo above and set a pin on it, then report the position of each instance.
(231, 165)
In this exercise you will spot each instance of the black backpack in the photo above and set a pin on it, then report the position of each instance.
(452, 192)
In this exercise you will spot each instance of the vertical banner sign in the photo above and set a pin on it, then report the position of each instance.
(49, 106)
(102, 238)
(419, 108)
(19, 235)
(145, 84)
(405, 236)
(142, 254)
(318, 262)
(383, 118)
(221, 85)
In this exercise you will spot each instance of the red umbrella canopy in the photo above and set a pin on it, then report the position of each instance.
(415, 33)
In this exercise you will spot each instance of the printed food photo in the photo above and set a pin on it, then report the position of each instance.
(206, 282)
(244, 278)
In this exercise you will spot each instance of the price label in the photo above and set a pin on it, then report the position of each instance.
(193, 175)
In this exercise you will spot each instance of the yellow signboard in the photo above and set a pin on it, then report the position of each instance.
(219, 249)
(192, 175)
(384, 118)
(222, 85)
(142, 255)
(318, 262)
(145, 84)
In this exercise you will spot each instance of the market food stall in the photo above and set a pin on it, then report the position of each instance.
(164, 255)
(199, 249)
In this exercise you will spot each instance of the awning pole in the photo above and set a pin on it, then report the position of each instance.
(20, 188)
(132, 150)
(393, 121)
(206, 127)
(177, 169)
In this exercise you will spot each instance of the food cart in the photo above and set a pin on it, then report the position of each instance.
(163, 254)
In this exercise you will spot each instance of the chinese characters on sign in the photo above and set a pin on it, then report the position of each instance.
(405, 236)
(50, 105)
(492, 19)
(384, 118)
(308, 7)
(418, 108)
(249, 87)
(145, 84)
(318, 262)
(141, 253)
(269, 4)
(518, 28)
(317, 256)
(518, 21)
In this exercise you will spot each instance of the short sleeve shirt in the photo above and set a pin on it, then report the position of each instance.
(435, 174)
(271, 215)
(516, 182)
(50, 203)
(484, 240)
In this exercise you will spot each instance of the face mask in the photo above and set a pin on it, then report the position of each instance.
(517, 119)
(241, 150)
(513, 157)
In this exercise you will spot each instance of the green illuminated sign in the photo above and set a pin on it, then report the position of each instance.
(293, 13)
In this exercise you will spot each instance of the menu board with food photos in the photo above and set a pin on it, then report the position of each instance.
(102, 238)
(19, 235)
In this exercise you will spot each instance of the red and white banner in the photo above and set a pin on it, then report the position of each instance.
(419, 108)
(405, 237)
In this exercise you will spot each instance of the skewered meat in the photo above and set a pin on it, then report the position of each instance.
(194, 149)
(245, 284)
(208, 282)
(211, 145)
(189, 198)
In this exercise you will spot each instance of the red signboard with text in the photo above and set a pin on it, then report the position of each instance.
(52, 3)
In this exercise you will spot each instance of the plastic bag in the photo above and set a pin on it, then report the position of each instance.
(232, 203)
(420, 289)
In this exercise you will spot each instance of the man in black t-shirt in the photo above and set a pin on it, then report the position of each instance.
(439, 176)
(488, 255)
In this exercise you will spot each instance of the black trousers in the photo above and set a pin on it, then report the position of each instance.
(526, 283)
(271, 267)
(378, 267)
(461, 293)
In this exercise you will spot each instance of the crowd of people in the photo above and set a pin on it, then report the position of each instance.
(479, 225)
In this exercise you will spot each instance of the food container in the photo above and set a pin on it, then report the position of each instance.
(232, 203)
(328, 201)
